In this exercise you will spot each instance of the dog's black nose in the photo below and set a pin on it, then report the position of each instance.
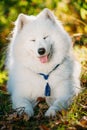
(41, 51)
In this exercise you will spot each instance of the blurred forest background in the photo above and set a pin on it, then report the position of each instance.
(73, 15)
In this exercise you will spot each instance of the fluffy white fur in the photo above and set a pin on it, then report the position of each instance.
(25, 84)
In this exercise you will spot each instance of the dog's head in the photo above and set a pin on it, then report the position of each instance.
(40, 42)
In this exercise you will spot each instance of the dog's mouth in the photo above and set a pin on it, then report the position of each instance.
(46, 58)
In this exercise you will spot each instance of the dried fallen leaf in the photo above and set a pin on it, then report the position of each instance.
(40, 115)
(40, 99)
(26, 117)
(63, 112)
(72, 128)
(66, 122)
(12, 116)
(58, 122)
(83, 106)
(43, 127)
(83, 122)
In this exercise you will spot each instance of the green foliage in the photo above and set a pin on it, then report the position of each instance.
(73, 14)
(81, 6)
(3, 77)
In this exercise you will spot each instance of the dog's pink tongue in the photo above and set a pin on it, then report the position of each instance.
(44, 59)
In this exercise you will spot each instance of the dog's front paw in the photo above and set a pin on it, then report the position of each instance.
(50, 112)
(29, 111)
(23, 106)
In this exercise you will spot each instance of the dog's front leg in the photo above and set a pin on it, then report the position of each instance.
(57, 106)
(20, 103)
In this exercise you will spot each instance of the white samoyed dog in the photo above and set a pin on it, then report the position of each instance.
(41, 64)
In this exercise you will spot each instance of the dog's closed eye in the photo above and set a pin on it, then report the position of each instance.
(45, 37)
(33, 40)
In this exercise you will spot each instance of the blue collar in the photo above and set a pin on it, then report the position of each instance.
(46, 76)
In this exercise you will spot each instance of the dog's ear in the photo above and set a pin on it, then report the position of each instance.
(21, 21)
(48, 15)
